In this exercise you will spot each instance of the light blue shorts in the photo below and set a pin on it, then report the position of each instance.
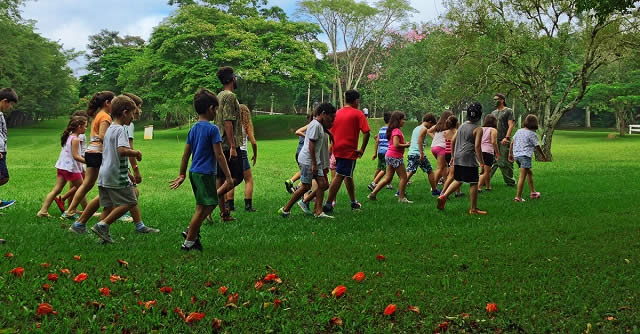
(306, 174)
(523, 161)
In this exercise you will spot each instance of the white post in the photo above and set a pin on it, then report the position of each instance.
(308, 97)
(272, 103)
(587, 117)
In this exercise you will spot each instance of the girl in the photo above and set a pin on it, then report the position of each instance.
(490, 150)
(68, 196)
(438, 145)
(393, 157)
(450, 133)
(247, 132)
(100, 109)
(382, 144)
(69, 163)
(288, 184)
(524, 142)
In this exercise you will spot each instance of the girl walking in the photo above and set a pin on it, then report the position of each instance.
(439, 144)
(525, 141)
(490, 150)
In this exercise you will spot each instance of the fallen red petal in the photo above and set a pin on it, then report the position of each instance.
(223, 290)
(380, 257)
(123, 263)
(335, 321)
(45, 308)
(390, 309)
(166, 289)
(194, 316)
(52, 277)
(77, 257)
(105, 291)
(17, 271)
(492, 307)
(414, 309)
(81, 277)
(339, 291)
(8, 255)
(46, 287)
(359, 276)
(179, 312)
(258, 285)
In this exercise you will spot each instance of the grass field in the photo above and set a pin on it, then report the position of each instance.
(567, 262)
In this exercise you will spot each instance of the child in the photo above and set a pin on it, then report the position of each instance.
(68, 196)
(8, 98)
(115, 188)
(288, 184)
(394, 157)
(451, 126)
(69, 164)
(382, 144)
(490, 150)
(100, 109)
(312, 160)
(203, 145)
(467, 151)
(524, 142)
(416, 156)
(438, 145)
(247, 134)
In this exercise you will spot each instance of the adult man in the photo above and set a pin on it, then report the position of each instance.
(348, 124)
(228, 120)
(505, 127)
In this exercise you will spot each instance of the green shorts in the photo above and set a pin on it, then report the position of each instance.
(204, 188)
(382, 164)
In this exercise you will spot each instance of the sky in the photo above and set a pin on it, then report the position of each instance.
(71, 22)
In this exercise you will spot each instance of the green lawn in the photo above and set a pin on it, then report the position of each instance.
(556, 264)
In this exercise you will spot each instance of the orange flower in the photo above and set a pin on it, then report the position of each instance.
(65, 271)
(179, 312)
(166, 289)
(81, 277)
(390, 309)
(115, 278)
(223, 290)
(45, 265)
(270, 277)
(148, 304)
(258, 285)
(46, 286)
(276, 303)
(359, 276)
(339, 291)
(52, 277)
(45, 308)
(232, 299)
(492, 307)
(105, 291)
(380, 257)
(194, 316)
(17, 271)
(8, 255)
(335, 321)
(208, 284)
(77, 257)
(414, 309)
(123, 263)
(442, 327)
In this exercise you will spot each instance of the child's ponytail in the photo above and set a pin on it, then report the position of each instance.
(97, 101)
(74, 123)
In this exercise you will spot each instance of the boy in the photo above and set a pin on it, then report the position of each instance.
(466, 153)
(382, 144)
(312, 160)
(416, 152)
(8, 98)
(203, 144)
(115, 188)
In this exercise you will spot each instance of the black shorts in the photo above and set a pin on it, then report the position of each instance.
(4, 172)
(447, 158)
(465, 174)
(93, 159)
(488, 158)
(235, 166)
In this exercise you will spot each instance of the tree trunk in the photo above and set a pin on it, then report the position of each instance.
(587, 117)
(545, 141)
(620, 122)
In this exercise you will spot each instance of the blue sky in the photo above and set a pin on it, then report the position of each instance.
(71, 21)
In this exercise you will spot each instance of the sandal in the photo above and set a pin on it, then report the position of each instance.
(43, 215)
(518, 199)
(534, 195)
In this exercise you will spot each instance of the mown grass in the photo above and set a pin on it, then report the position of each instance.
(555, 264)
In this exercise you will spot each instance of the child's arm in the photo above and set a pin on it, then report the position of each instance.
(301, 132)
(494, 142)
(478, 146)
(453, 145)
(222, 162)
(398, 145)
(104, 125)
(132, 161)
(421, 138)
(127, 152)
(432, 131)
(375, 152)
(511, 151)
(312, 152)
(254, 144)
(75, 150)
(183, 168)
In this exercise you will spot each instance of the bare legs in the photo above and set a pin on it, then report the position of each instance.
(525, 173)
(88, 183)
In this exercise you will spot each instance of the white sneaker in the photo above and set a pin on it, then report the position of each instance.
(324, 216)
(404, 200)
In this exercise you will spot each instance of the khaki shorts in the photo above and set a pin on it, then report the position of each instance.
(111, 197)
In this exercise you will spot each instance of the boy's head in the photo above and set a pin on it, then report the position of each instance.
(430, 119)
(138, 101)
(99, 101)
(205, 103)
(325, 114)
(352, 98)
(8, 98)
(226, 76)
(387, 117)
(490, 121)
(122, 109)
(531, 122)
(474, 112)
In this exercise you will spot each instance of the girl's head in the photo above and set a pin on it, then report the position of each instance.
(387, 117)
(451, 123)
(101, 100)
(531, 122)
(245, 117)
(80, 113)
(441, 125)
(122, 109)
(77, 124)
(490, 121)
(398, 118)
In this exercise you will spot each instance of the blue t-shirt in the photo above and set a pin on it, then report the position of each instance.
(383, 142)
(202, 136)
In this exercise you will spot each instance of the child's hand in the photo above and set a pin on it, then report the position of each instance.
(314, 170)
(138, 155)
(229, 182)
(0, 155)
(176, 182)
(421, 156)
(510, 158)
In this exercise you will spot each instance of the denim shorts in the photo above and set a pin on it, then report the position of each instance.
(306, 174)
(414, 162)
(523, 161)
(394, 162)
(245, 160)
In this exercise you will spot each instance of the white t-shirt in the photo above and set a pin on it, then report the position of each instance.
(66, 160)
(130, 128)
(315, 132)
(115, 167)
(524, 143)
(83, 143)
(244, 140)
(324, 152)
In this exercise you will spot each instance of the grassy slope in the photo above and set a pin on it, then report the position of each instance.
(554, 264)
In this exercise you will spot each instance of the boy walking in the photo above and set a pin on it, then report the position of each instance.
(8, 98)
(466, 153)
(205, 150)
(416, 152)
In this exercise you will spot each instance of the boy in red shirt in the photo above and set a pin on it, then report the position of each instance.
(346, 130)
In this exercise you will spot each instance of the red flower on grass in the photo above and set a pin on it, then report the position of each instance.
(492, 307)
(65, 271)
(105, 291)
(380, 257)
(359, 276)
(115, 278)
(258, 285)
(339, 291)
(77, 257)
(232, 300)
(335, 321)
(223, 290)
(390, 309)
(166, 289)
(46, 286)
(179, 312)
(123, 263)
(216, 324)
(45, 308)
(45, 265)
(276, 303)
(17, 271)
(81, 277)
(194, 316)
(442, 327)
(52, 277)
(148, 304)
(413, 309)
(8, 255)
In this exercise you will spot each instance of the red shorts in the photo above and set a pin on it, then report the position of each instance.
(68, 176)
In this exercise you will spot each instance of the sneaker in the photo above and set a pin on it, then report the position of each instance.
(73, 217)
(327, 208)
(6, 204)
(288, 185)
(436, 192)
(534, 195)
(371, 197)
(389, 186)
(2, 241)
(371, 186)
(60, 204)
(397, 193)
(283, 213)
(477, 212)
(249, 209)
(196, 246)
(185, 232)
(126, 218)
(304, 207)
(409, 183)
(78, 230)
(441, 202)
(518, 199)
(102, 232)
(147, 229)
(355, 206)
(324, 216)
(228, 218)
(404, 200)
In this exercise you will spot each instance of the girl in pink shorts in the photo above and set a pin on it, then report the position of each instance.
(69, 164)
(439, 143)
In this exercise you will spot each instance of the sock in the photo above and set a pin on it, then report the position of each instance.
(139, 225)
(188, 243)
(248, 202)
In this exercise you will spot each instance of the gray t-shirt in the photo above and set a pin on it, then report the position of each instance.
(130, 129)
(324, 151)
(114, 168)
(465, 151)
(315, 133)
(503, 117)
